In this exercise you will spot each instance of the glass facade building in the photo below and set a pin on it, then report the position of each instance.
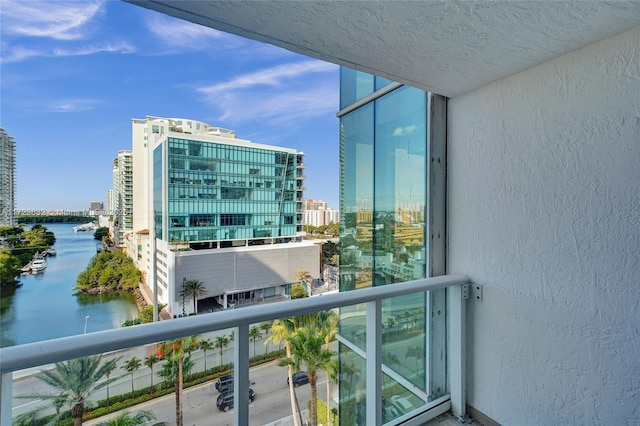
(215, 190)
(7, 179)
(385, 160)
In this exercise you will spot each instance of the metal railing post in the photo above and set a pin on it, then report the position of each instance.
(6, 395)
(241, 376)
(374, 362)
(457, 349)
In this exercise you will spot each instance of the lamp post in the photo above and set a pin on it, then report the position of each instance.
(85, 324)
(184, 283)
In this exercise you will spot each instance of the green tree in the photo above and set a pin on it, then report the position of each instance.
(109, 271)
(194, 289)
(175, 351)
(329, 251)
(305, 278)
(101, 232)
(131, 366)
(146, 313)
(266, 328)
(206, 345)
(150, 361)
(125, 418)
(107, 373)
(254, 334)
(281, 329)
(308, 352)
(297, 291)
(10, 267)
(76, 380)
(221, 343)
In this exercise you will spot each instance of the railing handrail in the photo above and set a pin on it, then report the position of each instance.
(14, 358)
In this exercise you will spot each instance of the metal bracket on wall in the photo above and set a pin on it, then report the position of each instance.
(472, 291)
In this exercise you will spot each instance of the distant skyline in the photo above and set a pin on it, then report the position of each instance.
(74, 74)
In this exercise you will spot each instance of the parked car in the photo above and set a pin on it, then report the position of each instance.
(299, 378)
(224, 383)
(225, 399)
(401, 403)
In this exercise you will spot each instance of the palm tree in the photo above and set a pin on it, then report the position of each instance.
(126, 419)
(195, 289)
(307, 349)
(328, 321)
(108, 374)
(280, 330)
(417, 353)
(221, 343)
(175, 351)
(332, 378)
(76, 380)
(304, 277)
(254, 334)
(150, 361)
(206, 345)
(132, 365)
(266, 328)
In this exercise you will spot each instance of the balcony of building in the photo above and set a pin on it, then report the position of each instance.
(367, 309)
(542, 176)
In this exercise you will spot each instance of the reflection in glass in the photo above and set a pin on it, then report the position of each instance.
(384, 165)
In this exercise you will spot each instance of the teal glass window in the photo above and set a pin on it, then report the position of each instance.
(384, 166)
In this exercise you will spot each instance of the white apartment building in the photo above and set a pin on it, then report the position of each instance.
(122, 197)
(225, 211)
(320, 217)
(7, 178)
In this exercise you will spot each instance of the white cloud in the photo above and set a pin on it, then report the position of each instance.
(71, 105)
(401, 131)
(282, 94)
(178, 33)
(270, 77)
(90, 50)
(279, 107)
(20, 53)
(60, 20)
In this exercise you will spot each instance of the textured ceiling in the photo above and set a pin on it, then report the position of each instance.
(448, 47)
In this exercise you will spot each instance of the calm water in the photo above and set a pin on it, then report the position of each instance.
(45, 307)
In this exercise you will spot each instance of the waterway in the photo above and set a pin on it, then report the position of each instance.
(47, 307)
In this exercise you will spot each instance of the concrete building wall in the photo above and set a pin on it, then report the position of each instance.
(544, 213)
(244, 268)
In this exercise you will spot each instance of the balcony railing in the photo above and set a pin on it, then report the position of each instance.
(37, 354)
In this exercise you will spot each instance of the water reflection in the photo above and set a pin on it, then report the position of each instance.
(49, 298)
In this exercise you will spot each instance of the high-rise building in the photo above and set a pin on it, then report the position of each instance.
(108, 208)
(96, 207)
(225, 211)
(7, 178)
(317, 213)
(122, 196)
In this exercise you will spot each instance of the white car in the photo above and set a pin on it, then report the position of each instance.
(401, 403)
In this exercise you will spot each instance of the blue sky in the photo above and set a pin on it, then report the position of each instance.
(74, 74)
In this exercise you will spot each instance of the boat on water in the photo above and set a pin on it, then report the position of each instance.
(91, 226)
(51, 252)
(38, 265)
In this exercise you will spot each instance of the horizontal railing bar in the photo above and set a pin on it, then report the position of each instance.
(45, 352)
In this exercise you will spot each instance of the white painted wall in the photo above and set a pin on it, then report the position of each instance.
(544, 212)
(232, 270)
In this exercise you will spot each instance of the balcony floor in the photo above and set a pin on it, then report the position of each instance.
(448, 419)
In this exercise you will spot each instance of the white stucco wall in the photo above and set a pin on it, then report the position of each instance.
(237, 269)
(544, 212)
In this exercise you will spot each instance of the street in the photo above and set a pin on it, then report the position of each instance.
(269, 381)
(272, 402)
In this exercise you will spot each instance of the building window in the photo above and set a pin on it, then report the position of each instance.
(385, 209)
